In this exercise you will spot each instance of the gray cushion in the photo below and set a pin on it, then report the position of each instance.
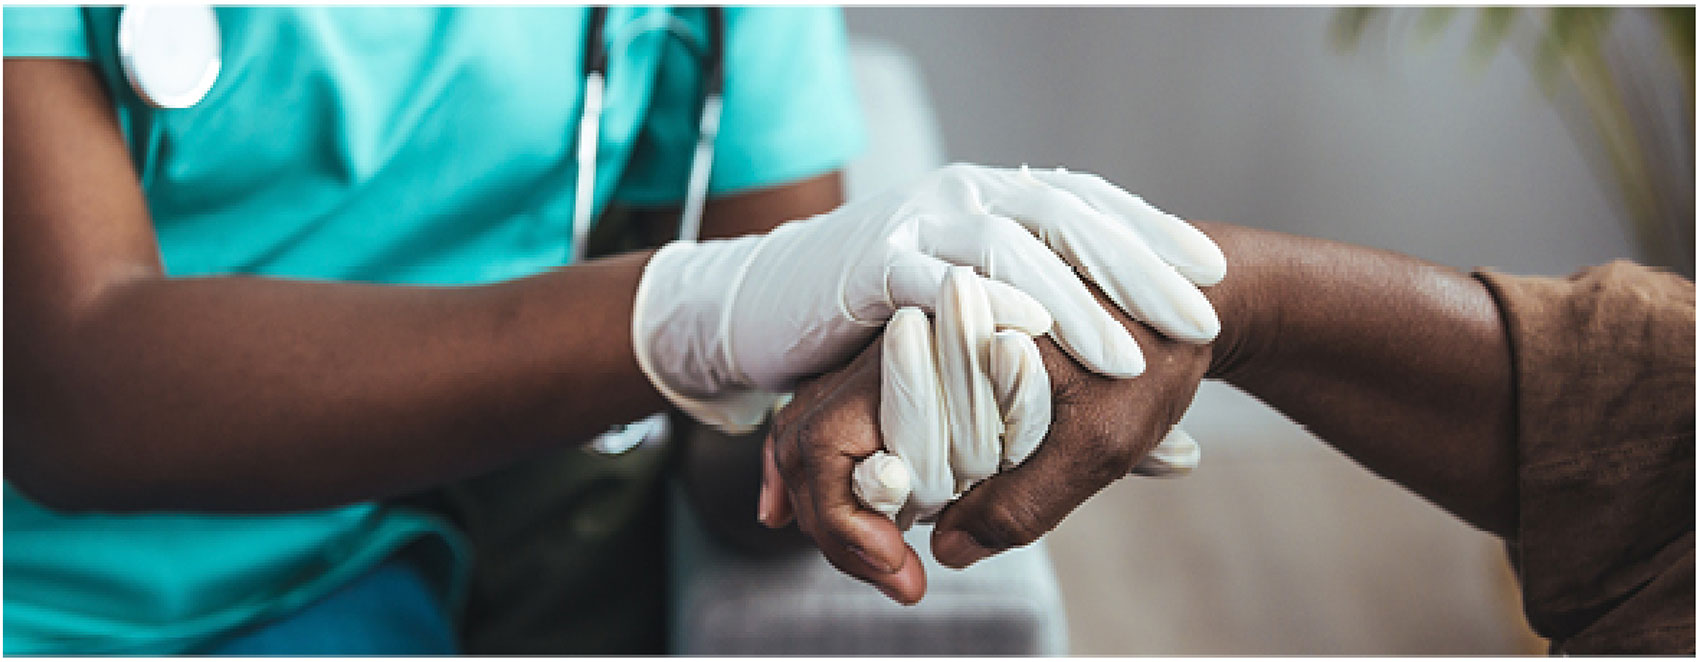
(726, 603)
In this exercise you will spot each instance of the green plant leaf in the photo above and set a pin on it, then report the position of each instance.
(1572, 32)
(1678, 26)
(1568, 54)
(1578, 28)
(1349, 25)
(1432, 22)
(1492, 28)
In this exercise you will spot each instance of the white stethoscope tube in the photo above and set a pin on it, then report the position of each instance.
(702, 158)
(595, 100)
(584, 195)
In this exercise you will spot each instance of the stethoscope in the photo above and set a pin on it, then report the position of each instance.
(171, 55)
(710, 59)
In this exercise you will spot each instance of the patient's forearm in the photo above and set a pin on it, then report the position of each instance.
(1401, 364)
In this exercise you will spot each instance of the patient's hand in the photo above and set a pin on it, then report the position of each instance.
(1100, 429)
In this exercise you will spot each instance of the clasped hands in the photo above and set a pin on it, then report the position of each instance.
(943, 418)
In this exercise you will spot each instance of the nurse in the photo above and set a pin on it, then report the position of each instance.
(338, 278)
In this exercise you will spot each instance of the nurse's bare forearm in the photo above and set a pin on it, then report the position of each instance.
(129, 390)
(258, 394)
(1402, 364)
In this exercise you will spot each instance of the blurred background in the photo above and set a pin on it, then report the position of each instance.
(1515, 140)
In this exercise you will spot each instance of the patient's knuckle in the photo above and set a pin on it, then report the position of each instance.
(788, 455)
(1119, 451)
(1011, 523)
(1106, 456)
(788, 415)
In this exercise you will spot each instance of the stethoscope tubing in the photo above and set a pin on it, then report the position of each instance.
(596, 59)
(622, 438)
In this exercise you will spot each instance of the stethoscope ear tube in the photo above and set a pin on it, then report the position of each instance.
(702, 158)
(595, 53)
(715, 77)
(589, 132)
(708, 128)
(584, 194)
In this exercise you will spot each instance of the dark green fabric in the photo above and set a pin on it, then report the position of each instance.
(569, 554)
(569, 546)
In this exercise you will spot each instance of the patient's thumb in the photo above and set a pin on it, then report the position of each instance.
(999, 513)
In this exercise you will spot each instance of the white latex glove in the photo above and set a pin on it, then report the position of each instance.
(1023, 388)
(719, 324)
(963, 346)
(1176, 455)
(955, 403)
(912, 477)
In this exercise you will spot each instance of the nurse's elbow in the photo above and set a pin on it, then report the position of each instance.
(62, 466)
(76, 491)
(56, 488)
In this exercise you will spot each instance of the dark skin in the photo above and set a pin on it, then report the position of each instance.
(1401, 364)
(131, 391)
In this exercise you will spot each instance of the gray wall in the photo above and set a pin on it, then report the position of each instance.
(1277, 545)
(1250, 116)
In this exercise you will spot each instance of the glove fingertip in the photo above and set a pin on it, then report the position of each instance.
(882, 482)
(1185, 314)
(1206, 274)
(1197, 257)
(1207, 266)
(1024, 395)
(1005, 366)
(1015, 309)
(1177, 455)
(1120, 356)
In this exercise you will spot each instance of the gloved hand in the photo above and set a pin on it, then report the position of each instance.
(718, 324)
(954, 413)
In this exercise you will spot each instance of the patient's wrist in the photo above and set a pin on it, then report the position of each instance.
(1244, 300)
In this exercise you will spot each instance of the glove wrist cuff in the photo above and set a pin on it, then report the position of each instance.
(678, 329)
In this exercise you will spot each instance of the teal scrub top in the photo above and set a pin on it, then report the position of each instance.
(421, 145)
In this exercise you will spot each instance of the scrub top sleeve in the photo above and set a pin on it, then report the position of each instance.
(57, 32)
(790, 110)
